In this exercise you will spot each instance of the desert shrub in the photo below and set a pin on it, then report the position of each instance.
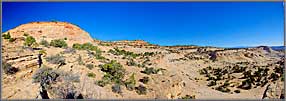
(6, 36)
(105, 80)
(131, 63)
(29, 41)
(69, 50)
(203, 71)
(117, 51)
(141, 90)
(90, 66)
(151, 70)
(274, 76)
(9, 69)
(237, 91)
(222, 89)
(85, 46)
(42, 52)
(12, 39)
(26, 34)
(188, 97)
(88, 46)
(92, 75)
(79, 60)
(148, 54)
(45, 75)
(56, 59)
(282, 78)
(116, 88)
(144, 80)
(59, 43)
(113, 70)
(77, 46)
(246, 84)
(211, 83)
(44, 43)
(130, 82)
(65, 38)
(70, 77)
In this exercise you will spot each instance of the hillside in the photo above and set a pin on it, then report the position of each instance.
(58, 60)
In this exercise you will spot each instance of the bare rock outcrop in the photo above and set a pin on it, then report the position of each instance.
(52, 30)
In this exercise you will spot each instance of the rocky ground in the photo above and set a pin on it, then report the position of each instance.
(58, 60)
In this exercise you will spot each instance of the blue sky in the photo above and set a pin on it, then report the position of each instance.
(222, 24)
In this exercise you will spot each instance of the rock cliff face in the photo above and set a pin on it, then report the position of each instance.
(52, 30)
(132, 69)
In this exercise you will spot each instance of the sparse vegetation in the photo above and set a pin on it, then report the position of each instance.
(188, 97)
(79, 60)
(116, 88)
(45, 75)
(130, 83)
(131, 62)
(8, 68)
(44, 43)
(29, 41)
(90, 66)
(59, 43)
(151, 70)
(56, 59)
(69, 50)
(144, 80)
(141, 90)
(125, 53)
(114, 72)
(237, 91)
(70, 77)
(43, 52)
(85, 46)
(92, 75)
(6, 36)
(12, 39)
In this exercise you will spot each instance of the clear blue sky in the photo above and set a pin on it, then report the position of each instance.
(223, 24)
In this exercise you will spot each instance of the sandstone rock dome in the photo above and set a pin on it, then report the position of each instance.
(52, 30)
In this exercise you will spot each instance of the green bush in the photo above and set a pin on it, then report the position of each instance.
(103, 82)
(59, 43)
(85, 46)
(92, 75)
(29, 41)
(117, 51)
(26, 34)
(44, 43)
(12, 39)
(9, 69)
(113, 70)
(77, 46)
(141, 90)
(6, 36)
(144, 80)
